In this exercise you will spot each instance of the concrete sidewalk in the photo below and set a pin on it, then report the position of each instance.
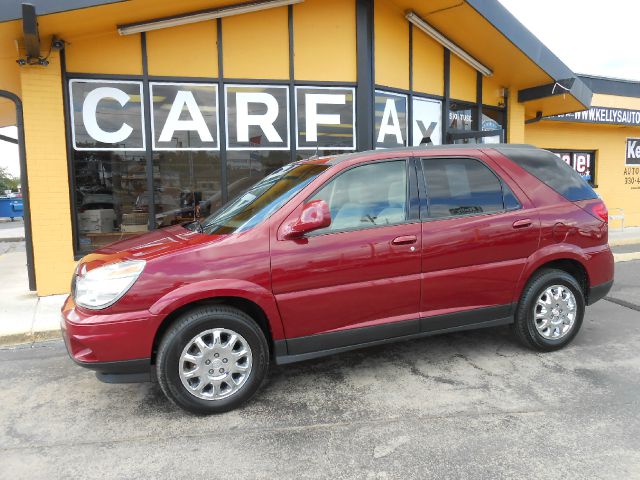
(628, 236)
(26, 318)
(11, 231)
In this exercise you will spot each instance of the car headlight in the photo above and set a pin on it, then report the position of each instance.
(103, 286)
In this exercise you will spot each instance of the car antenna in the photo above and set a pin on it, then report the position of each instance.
(316, 155)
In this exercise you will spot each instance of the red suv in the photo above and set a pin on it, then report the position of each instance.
(331, 254)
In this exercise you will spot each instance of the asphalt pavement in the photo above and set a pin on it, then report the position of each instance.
(467, 405)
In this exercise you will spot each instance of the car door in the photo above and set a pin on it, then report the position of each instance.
(476, 237)
(357, 280)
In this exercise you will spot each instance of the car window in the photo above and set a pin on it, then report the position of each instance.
(551, 170)
(461, 186)
(511, 202)
(260, 201)
(369, 195)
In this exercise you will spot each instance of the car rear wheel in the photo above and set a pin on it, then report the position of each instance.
(550, 311)
(212, 359)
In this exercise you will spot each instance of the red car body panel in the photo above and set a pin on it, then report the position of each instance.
(327, 284)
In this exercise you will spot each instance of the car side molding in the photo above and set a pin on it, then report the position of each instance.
(325, 344)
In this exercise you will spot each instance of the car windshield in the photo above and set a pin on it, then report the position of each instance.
(261, 200)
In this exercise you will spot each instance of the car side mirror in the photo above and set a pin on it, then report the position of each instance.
(315, 215)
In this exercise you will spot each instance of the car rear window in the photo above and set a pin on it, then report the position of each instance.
(551, 170)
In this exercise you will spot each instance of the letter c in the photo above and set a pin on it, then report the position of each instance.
(90, 107)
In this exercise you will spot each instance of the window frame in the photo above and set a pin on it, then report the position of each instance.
(411, 207)
(424, 191)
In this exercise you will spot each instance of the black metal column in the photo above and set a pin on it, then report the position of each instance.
(24, 184)
(365, 71)
(447, 95)
(222, 141)
(477, 118)
(148, 104)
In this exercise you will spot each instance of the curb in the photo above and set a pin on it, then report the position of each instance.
(623, 241)
(626, 257)
(12, 239)
(29, 337)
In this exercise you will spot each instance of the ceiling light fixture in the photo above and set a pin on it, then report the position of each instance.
(445, 42)
(202, 15)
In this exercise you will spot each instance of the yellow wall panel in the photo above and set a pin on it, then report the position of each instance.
(186, 51)
(428, 64)
(515, 119)
(325, 40)
(391, 30)
(256, 45)
(463, 80)
(609, 142)
(615, 101)
(48, 176)
(492, 92)
(107, 53)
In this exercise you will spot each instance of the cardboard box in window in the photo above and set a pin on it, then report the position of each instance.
(133, 228)
(100, 221)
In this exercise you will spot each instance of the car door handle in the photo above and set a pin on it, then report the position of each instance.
(522, 223)
(404, 240)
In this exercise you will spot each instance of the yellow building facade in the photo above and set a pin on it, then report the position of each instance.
(139, 114)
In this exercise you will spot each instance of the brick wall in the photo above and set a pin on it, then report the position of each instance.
(48, 176)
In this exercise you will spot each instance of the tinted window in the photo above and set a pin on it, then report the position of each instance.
(260, 201)
(510, 200)
(553, 171)
(366, 196)
(461, 186)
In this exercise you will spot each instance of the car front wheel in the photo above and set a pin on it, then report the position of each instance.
(212, 359)
(550, 311)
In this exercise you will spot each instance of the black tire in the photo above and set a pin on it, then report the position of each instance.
(524, 325)
(185, 328)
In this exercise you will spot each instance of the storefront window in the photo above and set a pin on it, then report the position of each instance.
(245, 168)
(263, 130)
(186, 186)
(427, 121)
(304, 154)
(325, 118)
(492, 120)
(460, 116)
(390, 119)
(111, 188)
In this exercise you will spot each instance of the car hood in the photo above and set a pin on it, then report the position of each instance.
(150, 245)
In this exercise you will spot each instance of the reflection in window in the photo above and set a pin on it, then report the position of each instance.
(114, 114)
(492, 120)
(257, 203)
(175, 104)
(246, 167)
(366, 196)
(461, 186)
(109, 188)
(186, 186)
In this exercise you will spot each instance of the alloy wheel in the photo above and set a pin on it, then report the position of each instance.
(555, 312)
(215, 364)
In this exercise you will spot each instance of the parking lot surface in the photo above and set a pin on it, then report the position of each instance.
(466, 405)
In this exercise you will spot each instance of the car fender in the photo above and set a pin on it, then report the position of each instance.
(222, 287)
(549, 253)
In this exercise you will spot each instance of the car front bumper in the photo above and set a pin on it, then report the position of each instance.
(116, 346)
